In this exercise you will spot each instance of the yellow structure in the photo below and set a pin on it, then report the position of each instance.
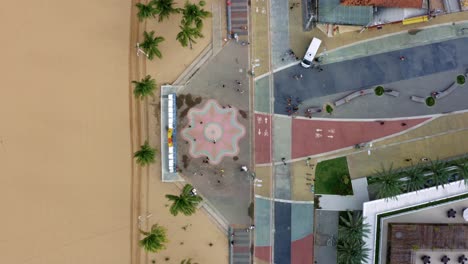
(415, 20)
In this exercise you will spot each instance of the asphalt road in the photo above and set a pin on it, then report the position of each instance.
(369, 71)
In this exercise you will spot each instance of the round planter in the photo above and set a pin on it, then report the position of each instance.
(430, 101)
(379, 91)
(329, 109)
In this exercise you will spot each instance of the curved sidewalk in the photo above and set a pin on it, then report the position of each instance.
(396, 41)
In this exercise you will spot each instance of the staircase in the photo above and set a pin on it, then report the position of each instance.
(240, 249)
(239, 17)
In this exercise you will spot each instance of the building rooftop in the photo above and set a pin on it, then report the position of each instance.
(332, 12)
(385, 3)
(407, 240)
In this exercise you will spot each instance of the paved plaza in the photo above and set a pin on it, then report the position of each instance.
(293, 231)
(213, 132)
(224, 79)
(365, 72)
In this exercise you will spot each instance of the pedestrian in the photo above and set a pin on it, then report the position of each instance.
(424, 159)
(403, 124)
(229, 106)
(402, 58)
(238, 89)
(238, 82)
(252, 227)
(201, 122)
(224, 86)
(284, 159)
(242, 91)
(232, 242)
(408, 159)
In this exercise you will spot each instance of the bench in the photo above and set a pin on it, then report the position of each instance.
(447, 91)
(339, 102)
(392, 93)
(418, 99)
(312, 110)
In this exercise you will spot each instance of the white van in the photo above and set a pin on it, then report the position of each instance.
(311, 52)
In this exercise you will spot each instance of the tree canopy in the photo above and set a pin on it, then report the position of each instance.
(186, 203)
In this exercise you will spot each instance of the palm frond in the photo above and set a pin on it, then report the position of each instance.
(388, 185)
(145, 155)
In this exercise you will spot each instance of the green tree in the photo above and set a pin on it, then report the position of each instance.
(415, 181)
(145, 155)
(186, 203)
(145, 11)
(144, 87)
(194, 14)
(188, 34)
(187, 261)
(164, 8)
(353, 227)
(388, 185)
(463, 170)
(150, 45)
(154, 240)
(352, 252)
(440, 175)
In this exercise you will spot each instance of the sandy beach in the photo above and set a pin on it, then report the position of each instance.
(64, 132)
(65, 143)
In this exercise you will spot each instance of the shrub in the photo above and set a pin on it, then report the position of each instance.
(202, 3)
(379, 90)
(329, 109)
(250, 211)
(430, 101)
(461, 79)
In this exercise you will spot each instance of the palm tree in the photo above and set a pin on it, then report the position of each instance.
(164, 8)
(154, 240)
(145, 155)
(353, 227)
(188, 34)
(440, 175)
(187, 261)
(145, 11)
(150, 45)
(352, 252)
(415, 181)
(185, 203)
(463, 170)
(387, 184)
(194, 14)
(144, 87)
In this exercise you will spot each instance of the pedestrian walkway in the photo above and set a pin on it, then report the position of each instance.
(397, 41)
(279, 21)
(348, 202)
(239, 17)
(240, 246)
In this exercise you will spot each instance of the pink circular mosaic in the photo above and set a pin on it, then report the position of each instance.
(213, 132)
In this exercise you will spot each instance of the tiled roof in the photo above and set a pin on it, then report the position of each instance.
(384, 3)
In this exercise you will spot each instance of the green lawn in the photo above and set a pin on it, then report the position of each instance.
(332, 177)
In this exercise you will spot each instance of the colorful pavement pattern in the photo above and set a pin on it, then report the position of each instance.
(313, 137)
(213, 132)
(262, 138)
(293, 222)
